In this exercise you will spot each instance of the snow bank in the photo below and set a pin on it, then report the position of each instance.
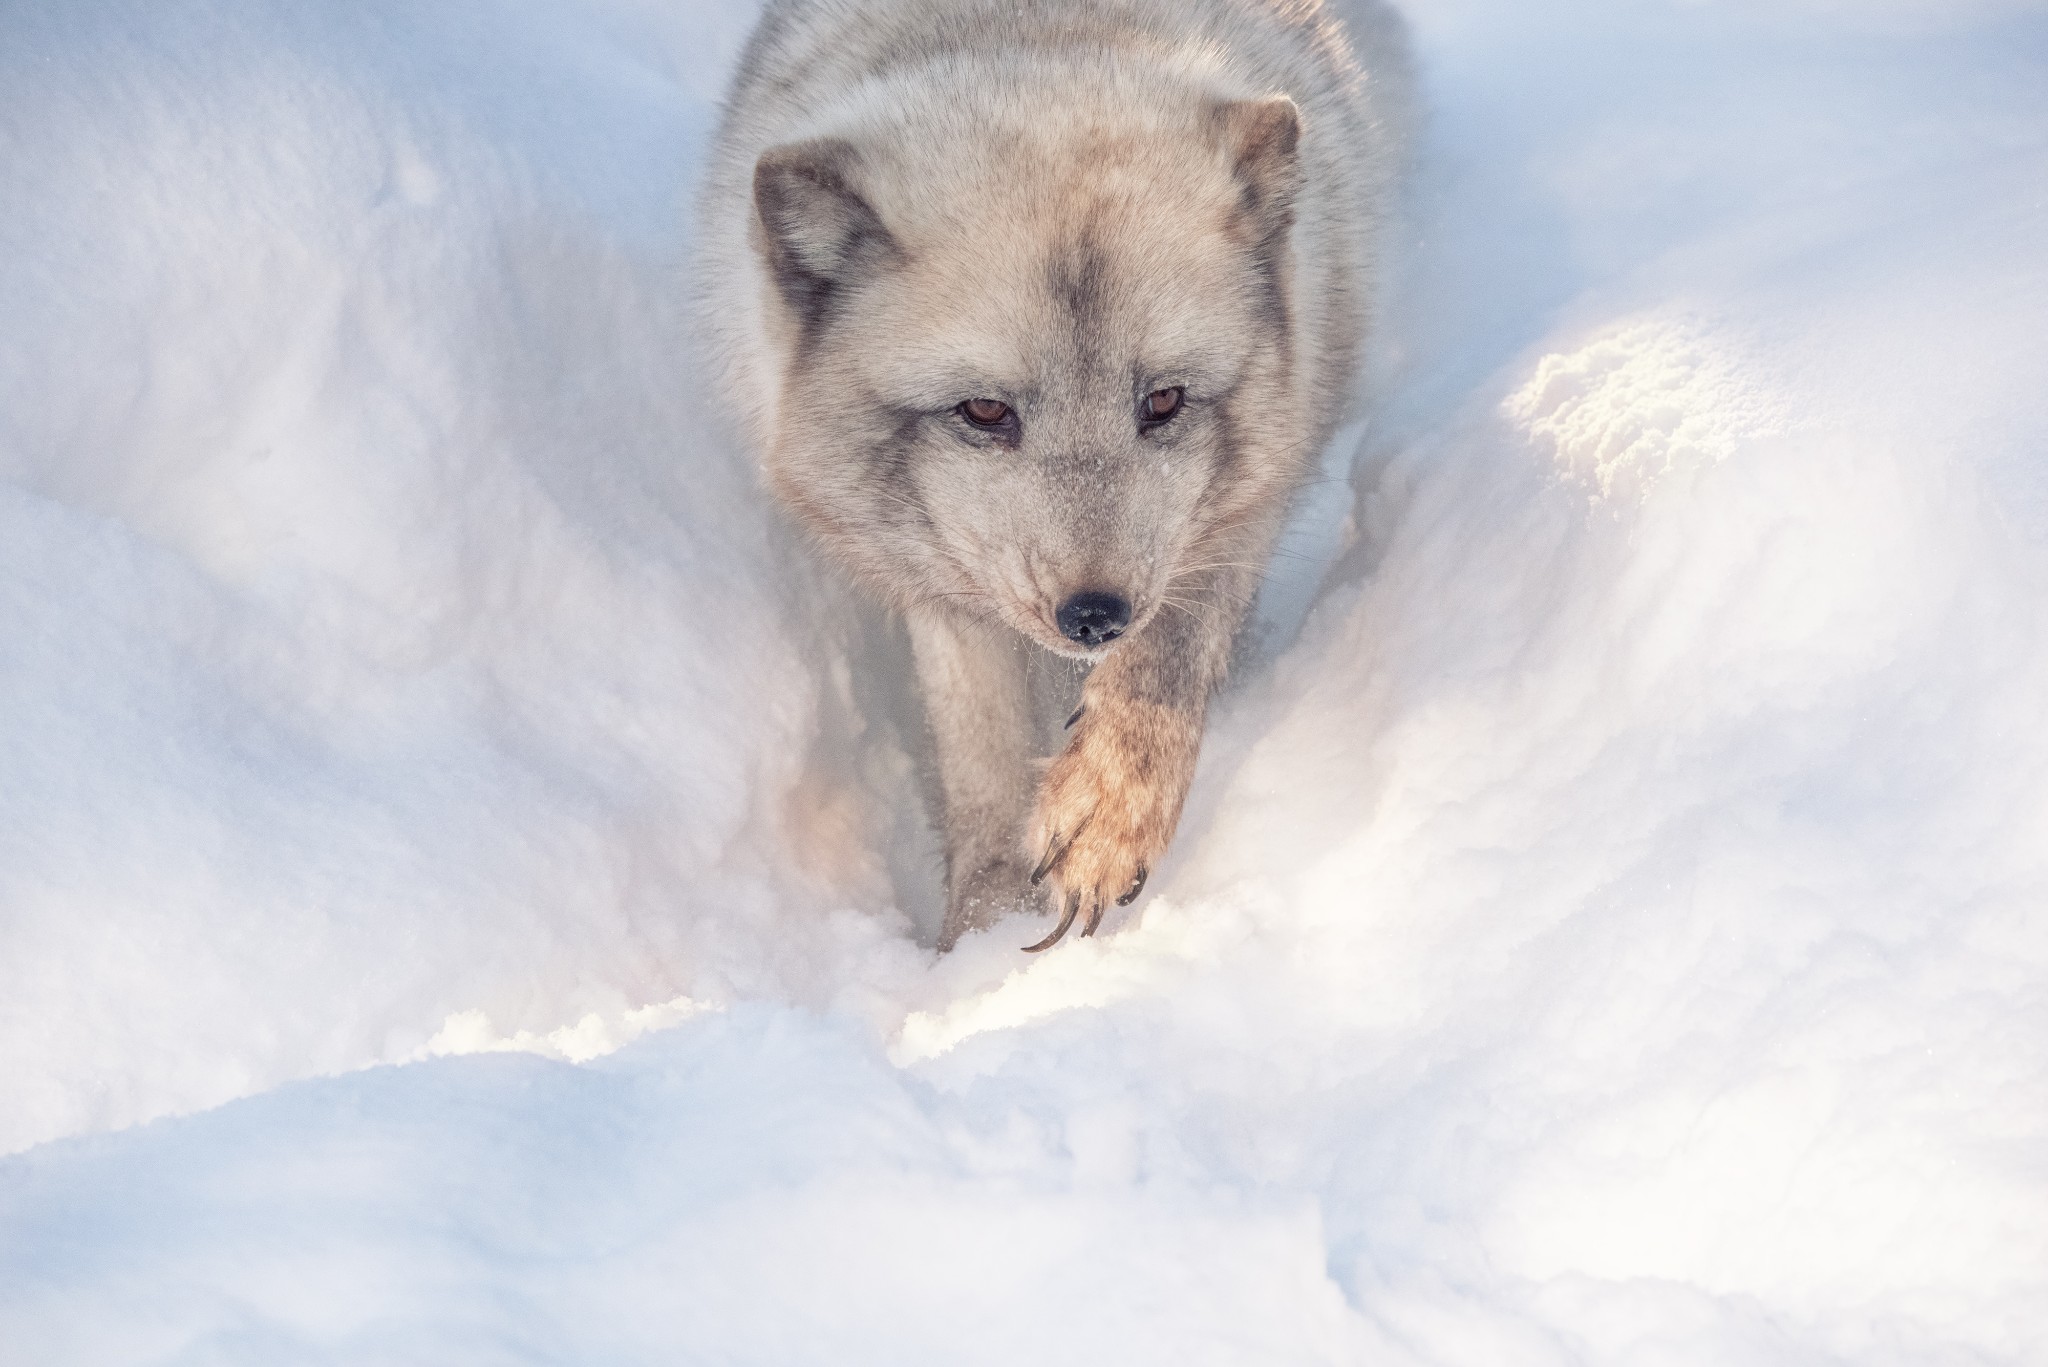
(385, 638)
(1612, 931)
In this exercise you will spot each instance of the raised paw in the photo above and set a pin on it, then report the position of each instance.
(1107, 808)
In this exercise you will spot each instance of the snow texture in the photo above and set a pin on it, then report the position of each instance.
(462, 884)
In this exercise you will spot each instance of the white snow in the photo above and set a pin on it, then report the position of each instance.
(1613, 930)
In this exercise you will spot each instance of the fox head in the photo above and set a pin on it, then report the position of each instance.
(1035, 363)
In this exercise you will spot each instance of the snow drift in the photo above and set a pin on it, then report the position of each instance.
(1610, 927)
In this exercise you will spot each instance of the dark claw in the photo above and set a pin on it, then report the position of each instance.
(1136, 888)
(1076, 717)
(1053, 850)
(1067, 919)
(1094, 919)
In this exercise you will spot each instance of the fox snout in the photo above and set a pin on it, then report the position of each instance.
(1093, 618)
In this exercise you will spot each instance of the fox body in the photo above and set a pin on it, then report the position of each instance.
(1035, 312)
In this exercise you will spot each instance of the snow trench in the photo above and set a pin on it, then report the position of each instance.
(463, 891)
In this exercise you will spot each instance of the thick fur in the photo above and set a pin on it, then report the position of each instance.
(1061, 206)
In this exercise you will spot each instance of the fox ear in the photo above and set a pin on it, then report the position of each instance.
(816, 231)
(1261, 137)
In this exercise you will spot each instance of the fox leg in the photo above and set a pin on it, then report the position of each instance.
(1109, 802)
(977, 702)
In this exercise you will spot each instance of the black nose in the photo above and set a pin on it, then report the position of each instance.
(1093, 619)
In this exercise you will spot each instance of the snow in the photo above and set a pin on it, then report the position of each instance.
(461, 885)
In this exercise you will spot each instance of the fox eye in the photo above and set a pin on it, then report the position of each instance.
(985, 412)
(1160, 405)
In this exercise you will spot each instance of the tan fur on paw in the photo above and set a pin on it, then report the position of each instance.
(1108, 806)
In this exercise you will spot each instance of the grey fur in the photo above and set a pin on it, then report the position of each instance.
(1060, 205)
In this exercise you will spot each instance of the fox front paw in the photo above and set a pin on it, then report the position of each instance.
(1108, 806)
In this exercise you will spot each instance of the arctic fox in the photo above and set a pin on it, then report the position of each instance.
(1036, 311)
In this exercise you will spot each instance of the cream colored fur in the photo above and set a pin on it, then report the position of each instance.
(1061, 206)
